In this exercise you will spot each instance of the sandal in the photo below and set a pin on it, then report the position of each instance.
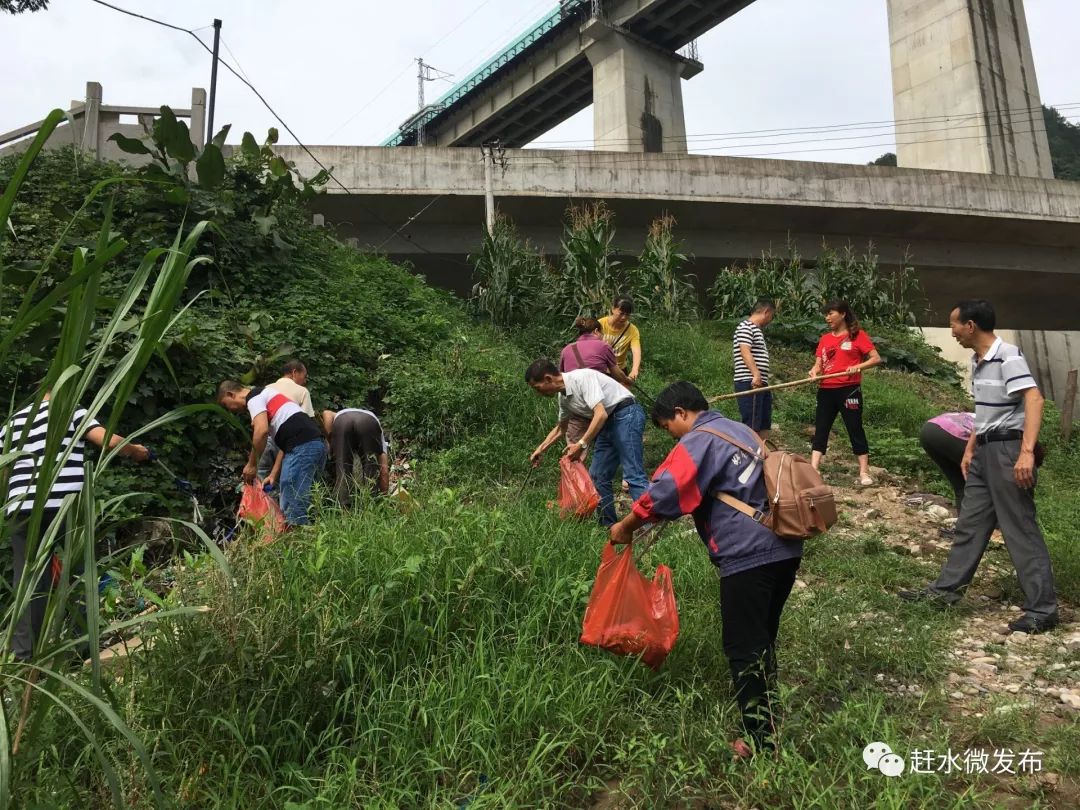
(865, 481)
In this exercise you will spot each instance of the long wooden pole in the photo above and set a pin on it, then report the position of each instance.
(778, 386)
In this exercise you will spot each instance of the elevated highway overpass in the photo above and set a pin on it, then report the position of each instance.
(1013, 239)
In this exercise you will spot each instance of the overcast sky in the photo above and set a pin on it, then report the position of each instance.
(342, 71)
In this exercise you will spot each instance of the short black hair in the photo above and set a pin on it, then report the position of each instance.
(228, 387)
(763, 305)
(538, 369)
(625, 303)
(978, 310)
(681, 394)
(292, 367)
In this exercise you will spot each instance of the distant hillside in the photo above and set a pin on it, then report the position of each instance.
(1064, 140)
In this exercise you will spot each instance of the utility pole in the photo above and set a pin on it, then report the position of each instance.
(493, 153)
(424, 73)
(213, 83)
(489, 194)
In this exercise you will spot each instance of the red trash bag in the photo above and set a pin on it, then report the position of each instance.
(629, 615)
(578, 497)
(258, 507)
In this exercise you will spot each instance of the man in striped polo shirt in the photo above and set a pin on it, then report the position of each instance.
(1000, 471)
(275, 415)
(750, 358)
(25, 435)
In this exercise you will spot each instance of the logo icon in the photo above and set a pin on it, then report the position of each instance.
(880, 757)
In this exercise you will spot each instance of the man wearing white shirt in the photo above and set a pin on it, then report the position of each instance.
(616, 423)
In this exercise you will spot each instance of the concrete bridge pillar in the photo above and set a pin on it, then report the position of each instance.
(965, 96)
(637, 91)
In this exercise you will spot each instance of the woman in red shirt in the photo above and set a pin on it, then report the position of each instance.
(845, 347)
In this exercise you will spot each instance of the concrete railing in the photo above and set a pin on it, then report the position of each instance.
(91, 123)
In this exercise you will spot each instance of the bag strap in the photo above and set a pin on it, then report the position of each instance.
(755, 515)
(761, 452)
(577, 354)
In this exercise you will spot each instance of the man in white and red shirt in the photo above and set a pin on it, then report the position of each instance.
(273, 414)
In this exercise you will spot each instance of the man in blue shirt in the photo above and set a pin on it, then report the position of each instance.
(757, 569)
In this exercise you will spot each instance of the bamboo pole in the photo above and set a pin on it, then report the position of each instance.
(778, 386)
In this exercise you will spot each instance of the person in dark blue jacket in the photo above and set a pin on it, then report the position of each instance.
(757, 569)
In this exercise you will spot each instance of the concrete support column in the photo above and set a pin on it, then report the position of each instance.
(199, 135)
(965, 96)
(637, 92)
(92, 118)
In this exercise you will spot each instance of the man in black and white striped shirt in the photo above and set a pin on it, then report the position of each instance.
(999, 468)
(750, 359)
(28, 441)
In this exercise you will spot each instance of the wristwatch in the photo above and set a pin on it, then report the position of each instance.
(582, 445)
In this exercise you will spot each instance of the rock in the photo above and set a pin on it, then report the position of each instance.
(915, 550)
(937, 512)
(984, 659)
(1048, 779)
(982, 670)
(871, 514)
(956, 695)
(799, 584)
(1073, 642)
(1070, 699)
(1012, 688)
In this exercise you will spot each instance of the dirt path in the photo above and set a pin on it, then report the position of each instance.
(993, 669)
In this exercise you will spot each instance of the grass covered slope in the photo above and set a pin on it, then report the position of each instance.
(428, 656)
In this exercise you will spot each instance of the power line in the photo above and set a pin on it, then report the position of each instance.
(989, 115)
(624, 157)
(277, 117)
(405, 69)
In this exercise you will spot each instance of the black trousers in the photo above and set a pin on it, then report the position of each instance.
(947, 451)
(750, 606)
(28, 625)
(355, 447)
(847, 402)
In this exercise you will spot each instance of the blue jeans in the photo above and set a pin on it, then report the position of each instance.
(620, 442)
(298, 471)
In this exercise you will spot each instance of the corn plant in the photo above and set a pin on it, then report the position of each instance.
(509, 276)
(658, 280)
(68, 312)
(590, 277)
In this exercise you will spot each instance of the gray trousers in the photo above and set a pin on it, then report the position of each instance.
(992, 499)
(28, 626)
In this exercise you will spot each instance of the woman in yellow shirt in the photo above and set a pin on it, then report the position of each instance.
(623, 336)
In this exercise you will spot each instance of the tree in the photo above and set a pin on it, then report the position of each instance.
(888, 159)
(19, 6)
(1064, 138)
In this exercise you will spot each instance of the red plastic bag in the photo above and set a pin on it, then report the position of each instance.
(629, 615)
(258, 507)
(578, 497)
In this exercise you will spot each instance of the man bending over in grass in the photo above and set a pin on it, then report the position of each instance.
(25, 435)
(358, 452)
(275, 415)
(616, 422)
(757, 569)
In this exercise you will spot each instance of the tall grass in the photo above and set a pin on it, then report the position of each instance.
(34, 694)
